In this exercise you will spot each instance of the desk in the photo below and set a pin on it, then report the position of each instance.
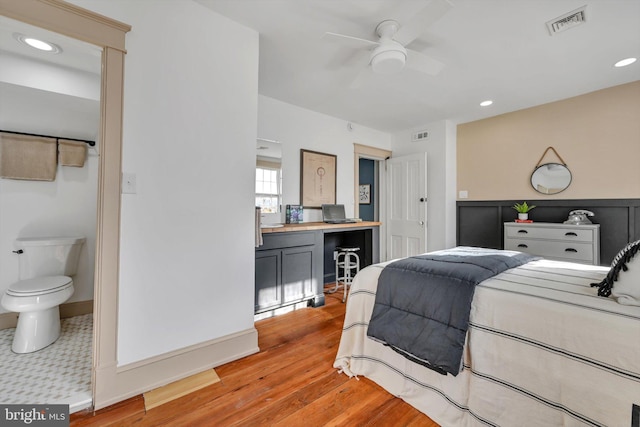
(296, 260)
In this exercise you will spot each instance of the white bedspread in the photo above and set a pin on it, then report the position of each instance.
(542, 350)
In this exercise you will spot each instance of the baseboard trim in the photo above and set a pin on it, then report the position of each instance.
(139, 377)
(71, 309)
(78, 308)
(8, 320)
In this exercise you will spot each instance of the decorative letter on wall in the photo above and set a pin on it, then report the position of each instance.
(317, 179)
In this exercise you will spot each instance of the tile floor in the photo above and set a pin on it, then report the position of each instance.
(59, 373)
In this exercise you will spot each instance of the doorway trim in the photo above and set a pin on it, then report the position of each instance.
(109, 34)
(366, 152)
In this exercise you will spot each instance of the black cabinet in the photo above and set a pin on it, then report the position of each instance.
(268, 279)
(288, 270)
(293, 266)
(297, 274)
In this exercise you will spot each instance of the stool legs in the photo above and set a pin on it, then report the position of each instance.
(348, 262)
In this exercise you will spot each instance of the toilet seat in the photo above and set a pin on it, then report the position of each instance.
(39, 286)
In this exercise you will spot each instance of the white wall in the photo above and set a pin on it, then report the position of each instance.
(441, 167)
(297, 128)
(64, 207)
(190, 119)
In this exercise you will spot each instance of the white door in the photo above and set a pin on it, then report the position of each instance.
(406, 205)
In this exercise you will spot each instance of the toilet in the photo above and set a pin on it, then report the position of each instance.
(45, 268)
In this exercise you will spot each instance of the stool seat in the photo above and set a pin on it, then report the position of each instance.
(347, 249)
(347, 266)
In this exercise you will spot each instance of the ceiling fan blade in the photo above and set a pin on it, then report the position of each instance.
(433, 11)
(423, 63)
(349, 41)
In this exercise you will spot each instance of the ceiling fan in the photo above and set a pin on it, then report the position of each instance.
(389, 55)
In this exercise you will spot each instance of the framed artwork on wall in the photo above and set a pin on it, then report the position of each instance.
(365, 194)
(317, 179)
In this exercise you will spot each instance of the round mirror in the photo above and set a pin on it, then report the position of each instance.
(551, 178)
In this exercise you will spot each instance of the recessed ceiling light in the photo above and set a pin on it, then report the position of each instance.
(37, 43)
(625, 62)
(486, 103)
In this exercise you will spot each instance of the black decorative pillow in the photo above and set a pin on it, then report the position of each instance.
(623, 280)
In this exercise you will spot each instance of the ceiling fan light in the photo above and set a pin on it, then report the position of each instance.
(388, 61)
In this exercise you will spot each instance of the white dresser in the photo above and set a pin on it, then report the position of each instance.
(564, 242)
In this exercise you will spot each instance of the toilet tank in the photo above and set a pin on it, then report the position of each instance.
(48, 256)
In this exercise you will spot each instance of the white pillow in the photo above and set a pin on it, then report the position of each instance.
(623, 280)
(627, 289)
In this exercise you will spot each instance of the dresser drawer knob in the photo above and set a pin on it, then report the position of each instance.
(523, 231)
(571, 233)
(570, 250)
(522, 245)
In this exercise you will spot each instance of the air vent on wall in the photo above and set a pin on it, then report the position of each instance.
(420, 136)
(566, 21)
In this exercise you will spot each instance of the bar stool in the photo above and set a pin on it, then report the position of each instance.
(347, 266)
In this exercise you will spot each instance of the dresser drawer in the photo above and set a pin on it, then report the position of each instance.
(565, 234)
(575, 251)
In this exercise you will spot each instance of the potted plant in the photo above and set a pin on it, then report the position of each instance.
(523, 210)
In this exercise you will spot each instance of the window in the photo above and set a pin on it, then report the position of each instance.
(268, 188)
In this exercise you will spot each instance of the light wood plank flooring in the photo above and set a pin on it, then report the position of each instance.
(291, 382)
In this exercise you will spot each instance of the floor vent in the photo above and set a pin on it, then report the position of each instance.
(566, 21)
(420, 136)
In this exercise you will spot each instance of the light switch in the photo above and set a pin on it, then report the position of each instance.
(463, 194)
(128, 183)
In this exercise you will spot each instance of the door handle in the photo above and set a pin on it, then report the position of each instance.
(570, 250)
(421, 223)
(522, 245)
(423, 199)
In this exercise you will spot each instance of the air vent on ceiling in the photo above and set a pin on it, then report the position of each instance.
(566, 21)
(420, 136)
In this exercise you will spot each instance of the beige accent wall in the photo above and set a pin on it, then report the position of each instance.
(597, 135)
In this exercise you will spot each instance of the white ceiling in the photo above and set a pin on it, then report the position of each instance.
(76, 54)
(492, 49)
(45, 93)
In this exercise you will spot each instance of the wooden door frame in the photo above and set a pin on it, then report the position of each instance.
(373, 153)
(109, 34)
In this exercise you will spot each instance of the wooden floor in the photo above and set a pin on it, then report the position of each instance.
(291, 382)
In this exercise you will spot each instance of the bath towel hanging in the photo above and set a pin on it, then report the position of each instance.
(28, 157)
(259, 240)
(71, 153)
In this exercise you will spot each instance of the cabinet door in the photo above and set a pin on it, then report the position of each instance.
(297, 273)
(268, 271)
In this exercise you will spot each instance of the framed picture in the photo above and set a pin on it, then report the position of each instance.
(317, 179)
(365, 194)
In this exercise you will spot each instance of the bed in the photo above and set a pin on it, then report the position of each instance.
(542, 349)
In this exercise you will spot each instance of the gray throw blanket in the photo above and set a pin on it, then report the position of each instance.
(423, 302)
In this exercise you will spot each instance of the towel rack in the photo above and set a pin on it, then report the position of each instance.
(57, 138)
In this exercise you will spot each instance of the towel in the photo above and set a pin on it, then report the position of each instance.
(259, 240)
(28, 157)
(71, 153)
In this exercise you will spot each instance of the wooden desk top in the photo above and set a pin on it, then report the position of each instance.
(307, 226)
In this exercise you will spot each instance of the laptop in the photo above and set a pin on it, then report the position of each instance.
(334, 214)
